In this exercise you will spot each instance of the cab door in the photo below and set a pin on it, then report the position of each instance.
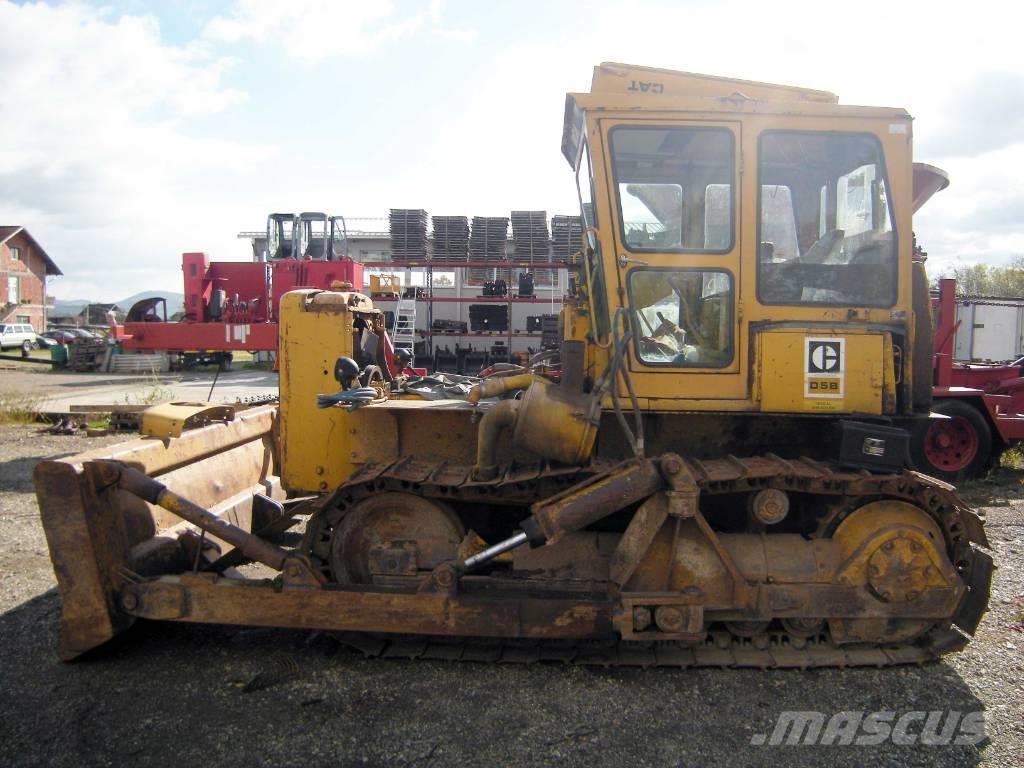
(674, 196)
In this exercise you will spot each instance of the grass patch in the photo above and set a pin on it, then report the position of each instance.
(1012, 458)
(154, 393)
(19, 407)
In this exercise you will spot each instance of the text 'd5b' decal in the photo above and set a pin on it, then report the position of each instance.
(824, 367)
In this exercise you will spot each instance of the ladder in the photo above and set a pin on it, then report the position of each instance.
(405, 328)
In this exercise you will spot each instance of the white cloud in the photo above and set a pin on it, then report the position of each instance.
(961, 77)
(97, 155)
(315, 30)
(989, 115)
(119, 157)
(980, 217)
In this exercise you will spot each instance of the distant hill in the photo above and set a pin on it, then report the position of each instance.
(175, 303)
(67, 306)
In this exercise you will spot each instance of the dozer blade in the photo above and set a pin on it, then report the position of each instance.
(100, 536)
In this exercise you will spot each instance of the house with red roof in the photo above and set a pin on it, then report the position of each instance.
(24, 267)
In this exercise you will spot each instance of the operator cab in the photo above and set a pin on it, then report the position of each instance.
(280, 230)
(736, 233)
(311, 231)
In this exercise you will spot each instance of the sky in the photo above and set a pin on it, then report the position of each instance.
(135, 131)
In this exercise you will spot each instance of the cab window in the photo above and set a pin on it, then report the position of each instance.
(674, 187)
(682, 317)
(824, 222)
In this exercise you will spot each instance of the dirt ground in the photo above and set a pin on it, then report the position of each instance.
(229, 696)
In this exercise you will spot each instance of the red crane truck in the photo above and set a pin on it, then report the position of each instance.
(983, 404)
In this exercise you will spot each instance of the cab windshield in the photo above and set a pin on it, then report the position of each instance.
(824, 221)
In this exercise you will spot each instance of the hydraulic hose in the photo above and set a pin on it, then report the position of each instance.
(638, 418)
(608, 381)
(350, 398)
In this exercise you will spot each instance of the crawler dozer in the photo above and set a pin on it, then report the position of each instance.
(709, 472)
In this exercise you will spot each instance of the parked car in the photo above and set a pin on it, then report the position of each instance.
(43, 342)
(14, 335)
(61, 336)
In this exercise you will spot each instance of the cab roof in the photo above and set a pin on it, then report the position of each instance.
(633, 88)
(611, 78)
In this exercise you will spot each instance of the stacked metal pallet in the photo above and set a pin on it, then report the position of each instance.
(531, 242)
(566, 232)
(487, 241)
(451, 237)
(530, 238)
(156, 362)
(88, 354)
(488, 237)
(408, 234)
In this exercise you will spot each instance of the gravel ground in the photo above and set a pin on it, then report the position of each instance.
(225, 696)
(55, 392)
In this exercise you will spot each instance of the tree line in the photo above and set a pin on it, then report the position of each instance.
(987, 280)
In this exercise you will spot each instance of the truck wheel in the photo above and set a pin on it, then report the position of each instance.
(26, 348)
(953, 449)
(224, 363)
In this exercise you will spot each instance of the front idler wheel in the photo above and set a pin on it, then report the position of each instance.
(392, 535)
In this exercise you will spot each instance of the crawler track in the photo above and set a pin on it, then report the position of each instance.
(720, 649)
(839, 490)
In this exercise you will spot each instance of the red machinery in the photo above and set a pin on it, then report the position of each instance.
(984, 403)
(232, 306)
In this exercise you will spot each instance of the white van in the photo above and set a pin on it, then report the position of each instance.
(17, 335)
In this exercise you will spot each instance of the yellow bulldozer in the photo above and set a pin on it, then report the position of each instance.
(710, 472)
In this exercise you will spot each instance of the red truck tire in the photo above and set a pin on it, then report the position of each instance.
(953, 449)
